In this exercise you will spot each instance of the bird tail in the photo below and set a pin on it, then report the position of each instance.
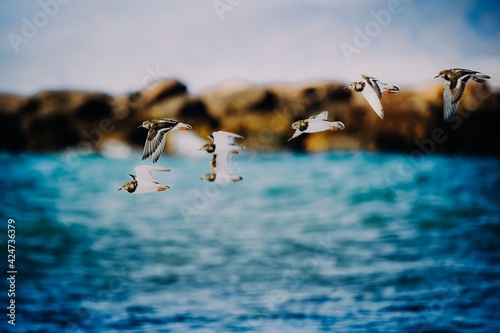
(162, 188)
(390, 89)
(337, 126)
(480, 78)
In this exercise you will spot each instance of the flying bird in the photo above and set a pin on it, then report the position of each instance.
(222, 142)
(317, 123)
(456, 80)
(372, 90)
(144, 181)
(156, 139)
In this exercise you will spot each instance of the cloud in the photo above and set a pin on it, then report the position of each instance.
(113, 46)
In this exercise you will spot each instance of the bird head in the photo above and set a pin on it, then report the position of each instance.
(125, 187)
(296, 125)
(209, 176)
(300, 125)
(356, 86)
(130, 187)
(209, 147)
(442, 74)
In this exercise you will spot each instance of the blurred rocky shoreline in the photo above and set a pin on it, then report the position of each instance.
(57, 120)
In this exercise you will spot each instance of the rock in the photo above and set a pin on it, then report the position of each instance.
(12, 110)
(54, 120)
(162, 90)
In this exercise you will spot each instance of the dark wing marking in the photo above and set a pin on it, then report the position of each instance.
(457, 87)
(160, 141)
(153, 142)
(453, 91)
(372, 82)
(213, 162)
(375, 87)
(147, 151)
(165, 123)
(463, 71)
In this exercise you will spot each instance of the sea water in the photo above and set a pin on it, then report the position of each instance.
(339, 242)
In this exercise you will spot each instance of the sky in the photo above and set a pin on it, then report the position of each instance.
(119, 46)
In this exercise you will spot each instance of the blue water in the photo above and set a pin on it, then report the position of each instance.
(344, 242)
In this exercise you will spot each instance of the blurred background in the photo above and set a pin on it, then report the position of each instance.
(386, 226)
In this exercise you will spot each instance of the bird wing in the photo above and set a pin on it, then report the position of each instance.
(457, 87)
(321, 116)
(150, 187)
(463, 71)
(167, 123)
(449, 106)
(296, 134)
(453, 91)
(480, 78)
(372, 97)
(367, 78)
(221, 162)
(148, 150)
(144, 174)
(155, 143)
(374, 83)
(228, 138)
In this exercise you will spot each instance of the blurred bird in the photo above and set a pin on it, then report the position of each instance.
(144, 182)
(317, 123)
(221, 169)
(456, 80)
(221, 142)
(156, 139)
(372, 90)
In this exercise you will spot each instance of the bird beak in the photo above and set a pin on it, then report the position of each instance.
(119, 189)
(436, 76)
(346, 87)
(139, 126)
